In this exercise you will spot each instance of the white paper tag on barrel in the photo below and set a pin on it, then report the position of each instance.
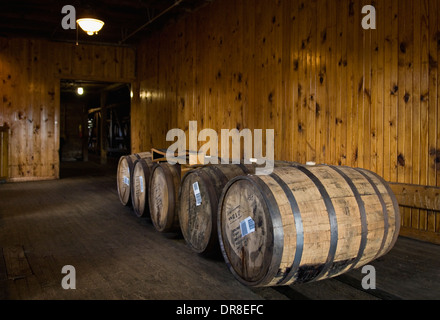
(126, 179)
(197, 194)
(141, 183)
(247, 226)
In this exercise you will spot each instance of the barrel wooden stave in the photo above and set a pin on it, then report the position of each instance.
(162, 196)
(123, 181)
(300, 236)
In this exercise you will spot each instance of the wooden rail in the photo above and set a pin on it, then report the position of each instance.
(417, 196)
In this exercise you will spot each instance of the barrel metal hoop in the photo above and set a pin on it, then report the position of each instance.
(243, 167)
(332, 219)
(213, 241)
(219, 173)
(299, 230)
(395, 206)
(146, 168)
(275, 215)
(384, 210)
(363, 216)
(130, 164)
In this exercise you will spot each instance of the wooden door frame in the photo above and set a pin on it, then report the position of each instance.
(58, 79)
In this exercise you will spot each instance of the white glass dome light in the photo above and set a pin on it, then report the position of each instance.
(90, 25)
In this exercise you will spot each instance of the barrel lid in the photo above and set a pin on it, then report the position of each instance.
(196, 211)
(246, 232)
(123, 180)
(139, 189)
(159, 200)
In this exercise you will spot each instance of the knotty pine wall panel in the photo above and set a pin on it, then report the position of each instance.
(30, 73)
(334, 92)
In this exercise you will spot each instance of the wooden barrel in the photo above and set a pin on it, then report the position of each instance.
(200, 192)
(305, 223)
(139, 186)
(163, 194)
(123, 176)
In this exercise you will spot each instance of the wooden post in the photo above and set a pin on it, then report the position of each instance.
(103, 128)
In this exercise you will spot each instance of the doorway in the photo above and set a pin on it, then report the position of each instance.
(94, 123)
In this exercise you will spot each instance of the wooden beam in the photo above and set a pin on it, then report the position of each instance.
(417, 196)
(114, 86)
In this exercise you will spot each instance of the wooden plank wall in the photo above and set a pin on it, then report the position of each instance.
(4, 145)
(334, 92)
(30, 73)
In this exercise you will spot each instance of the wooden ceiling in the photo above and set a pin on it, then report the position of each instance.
(42, 18)
(90, 87)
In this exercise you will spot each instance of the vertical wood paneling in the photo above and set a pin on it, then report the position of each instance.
(321, 105)
(296, 127)
(307, 120)
(365, 121)
(401, 115)
(261, 67)
(166, 89)
(334, 92)
(30, 73)
(268, 68)
(286, 110)
(416, 106)
(377, 92)
(311, 75)
(432, 106)
(341, 113)
(437, 150)
(409, 96)
(331, 66)
(248, 61)
(4, 145)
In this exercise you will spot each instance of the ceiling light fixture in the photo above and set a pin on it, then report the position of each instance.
(80, 91)
(90, 25)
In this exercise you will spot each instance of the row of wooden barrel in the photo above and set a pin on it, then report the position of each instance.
(300, 223)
